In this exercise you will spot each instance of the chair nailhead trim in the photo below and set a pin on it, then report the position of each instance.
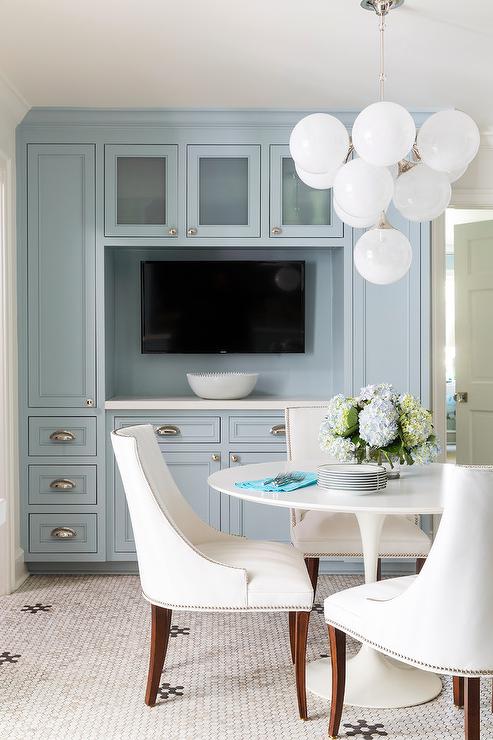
(192, 607)
(438, 669)
(360, 554)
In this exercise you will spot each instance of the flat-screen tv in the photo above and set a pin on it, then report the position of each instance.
(223, 306)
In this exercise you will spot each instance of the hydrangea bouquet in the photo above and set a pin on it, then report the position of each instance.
(379, 425)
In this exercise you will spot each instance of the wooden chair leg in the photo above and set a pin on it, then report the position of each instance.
(379, 569)
(419, 564)
(337, 640)
(160, 626)
(492, 695)
(292, 634)
(312, 565)
(302, 619)
(458, 683)
(471, 708)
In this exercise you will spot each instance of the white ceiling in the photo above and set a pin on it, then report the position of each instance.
(247, 53)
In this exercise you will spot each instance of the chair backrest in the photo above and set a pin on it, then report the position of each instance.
(445, 618)
(302, 431)
(168, 533)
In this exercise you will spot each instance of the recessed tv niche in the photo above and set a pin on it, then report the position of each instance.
(223, 306)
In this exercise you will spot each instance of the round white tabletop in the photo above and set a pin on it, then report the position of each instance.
(373, 680)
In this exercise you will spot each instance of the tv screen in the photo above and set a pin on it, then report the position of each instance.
(222, 307)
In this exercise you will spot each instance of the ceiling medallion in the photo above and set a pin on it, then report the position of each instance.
(384, 160)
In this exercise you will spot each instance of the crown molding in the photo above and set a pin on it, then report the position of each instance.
(13, 105)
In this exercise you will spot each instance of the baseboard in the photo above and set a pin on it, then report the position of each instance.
(21, 571)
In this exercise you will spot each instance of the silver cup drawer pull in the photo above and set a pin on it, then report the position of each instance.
(278, 430)
(63, 533)
(62, 435)
(62, 484)
(168, 430)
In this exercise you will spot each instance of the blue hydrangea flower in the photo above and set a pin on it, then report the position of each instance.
(378, 422)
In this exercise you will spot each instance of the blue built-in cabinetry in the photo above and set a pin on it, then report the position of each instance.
(100, 191)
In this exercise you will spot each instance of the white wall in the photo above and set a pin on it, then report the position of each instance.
(12, 569)
(475, 188)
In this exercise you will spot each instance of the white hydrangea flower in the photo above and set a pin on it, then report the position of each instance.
(341, 448)
(425, 453)
(382, 390)
(378, 422)
(340, 411)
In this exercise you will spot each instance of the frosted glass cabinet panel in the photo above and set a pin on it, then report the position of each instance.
(297, 210)
(141, 190)
(223, 198)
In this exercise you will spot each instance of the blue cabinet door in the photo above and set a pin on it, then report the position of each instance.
(61, 275)
(256, 521)
(190, 471)
(141, 190)
(297, 210)
(223, 191)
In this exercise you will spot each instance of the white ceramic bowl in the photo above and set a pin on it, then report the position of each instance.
(222, 385)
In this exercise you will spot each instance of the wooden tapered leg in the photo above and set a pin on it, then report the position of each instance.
(160, 626)
(312, 565)
(419, 564)
(458, 683)
(379, 569)
(302, 619)
(492, 695)
(337, 640)
(292, 634)
(471, 709)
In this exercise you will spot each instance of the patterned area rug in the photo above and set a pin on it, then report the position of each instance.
(73, 663)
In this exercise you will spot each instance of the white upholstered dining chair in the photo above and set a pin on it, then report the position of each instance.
(441, 620)
(318, 534)
(186, 565)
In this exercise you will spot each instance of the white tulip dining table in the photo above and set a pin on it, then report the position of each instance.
(372, 679)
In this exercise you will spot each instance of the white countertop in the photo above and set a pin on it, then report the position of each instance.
(185, 403)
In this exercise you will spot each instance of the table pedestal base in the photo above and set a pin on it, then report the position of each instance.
(375, 681)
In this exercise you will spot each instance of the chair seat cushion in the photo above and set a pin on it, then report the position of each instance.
(276, 573)
(338, 535)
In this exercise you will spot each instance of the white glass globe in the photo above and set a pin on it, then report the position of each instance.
(382, 256)
(354, 221)
(319, 182)
(456, 174)
(383, 133)
(448, 140)
(422, 194)
(319, 143)
(361, 189)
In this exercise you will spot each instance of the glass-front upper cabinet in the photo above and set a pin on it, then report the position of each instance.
(296, 210)
(141, 189)
(223, 191)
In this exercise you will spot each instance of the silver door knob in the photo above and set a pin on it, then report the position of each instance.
(192, 231)
(276, 230)
(172, 232)
(235, 458)
(215, 457)
(61, 435)
(461, 397)
(89, 402)
(63, 533)
(62, 484)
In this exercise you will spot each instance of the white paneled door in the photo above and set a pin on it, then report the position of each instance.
(473, 244)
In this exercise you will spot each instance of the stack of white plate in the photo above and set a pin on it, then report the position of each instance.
(361, 479)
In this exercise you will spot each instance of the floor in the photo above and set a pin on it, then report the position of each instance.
(73, 661)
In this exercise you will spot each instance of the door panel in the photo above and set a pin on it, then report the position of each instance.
(257, 521)
(61, 275)
(473, 246)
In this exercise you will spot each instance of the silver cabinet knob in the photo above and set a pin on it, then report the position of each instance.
(235, 458)
(61, 435)
(62, 484)
(89, 402)
(276, 230)
(279, 430)
(63, 533)
(215, 457)
(172, 232)
(192, 231)
(168, 430)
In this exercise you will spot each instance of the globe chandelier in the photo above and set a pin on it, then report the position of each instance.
(384, 161)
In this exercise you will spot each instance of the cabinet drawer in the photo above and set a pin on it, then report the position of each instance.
(63, 436)
(62, 484)
(257, 429)
(185, 429)
(80, 532)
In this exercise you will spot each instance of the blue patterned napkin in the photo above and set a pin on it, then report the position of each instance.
(260, 485)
